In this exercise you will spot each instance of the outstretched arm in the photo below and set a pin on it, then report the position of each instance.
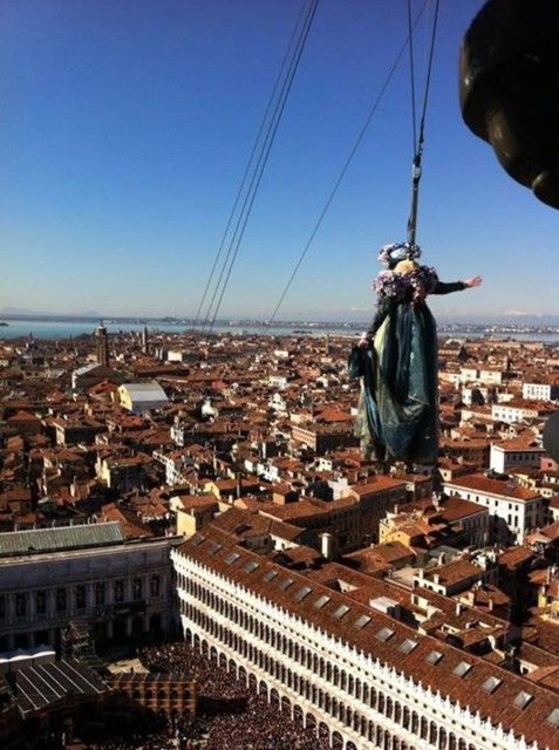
(456, 286)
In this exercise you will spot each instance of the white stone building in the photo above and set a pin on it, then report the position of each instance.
(517, 411)
(140, 398)
(545, 390)
(176, 466)
(333, 661)
(491, 376)
(514, 454)
(512, 507)
(278, 381)
(277, 403)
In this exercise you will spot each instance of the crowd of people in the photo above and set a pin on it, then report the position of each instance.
(213, 681)
(245, 721)
(262, 727)
(231, 715)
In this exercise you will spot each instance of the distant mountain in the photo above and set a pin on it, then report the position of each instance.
(16, 311)
(22, 312)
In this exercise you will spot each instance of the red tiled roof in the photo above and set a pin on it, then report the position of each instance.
(488, 485)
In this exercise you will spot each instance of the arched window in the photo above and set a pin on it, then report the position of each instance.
(433, 733)
(406, 718)
(118, 592)
(61, 599)
(137, 590)
(20, 604)
(80, 600)
(389, 707)
(155, 584)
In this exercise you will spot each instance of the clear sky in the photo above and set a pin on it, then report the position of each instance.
(127, 125)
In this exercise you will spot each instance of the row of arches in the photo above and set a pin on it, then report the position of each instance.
(287, 646)
(317, 692)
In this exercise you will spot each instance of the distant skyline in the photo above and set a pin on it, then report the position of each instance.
(16, 315)
(127, 126)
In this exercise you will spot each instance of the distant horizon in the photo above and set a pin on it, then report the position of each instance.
(512, 321)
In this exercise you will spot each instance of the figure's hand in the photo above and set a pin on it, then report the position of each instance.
(474, 281)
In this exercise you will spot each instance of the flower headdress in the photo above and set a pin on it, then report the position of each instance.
(397, 251)
(411, 284)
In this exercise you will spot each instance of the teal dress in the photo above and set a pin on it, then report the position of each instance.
(398, 414)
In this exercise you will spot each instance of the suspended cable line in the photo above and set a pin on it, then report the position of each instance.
(352, 153)
(264, 154)
(412, 76)
(418, 143)
(257, 163)
(257, 175)
(273, 97)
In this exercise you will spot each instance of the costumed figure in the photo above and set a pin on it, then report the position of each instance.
(398, 416)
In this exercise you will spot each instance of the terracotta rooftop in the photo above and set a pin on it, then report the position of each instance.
(490, 486)
(460, 675)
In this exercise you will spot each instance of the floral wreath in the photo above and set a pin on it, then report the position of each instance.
(410, 287)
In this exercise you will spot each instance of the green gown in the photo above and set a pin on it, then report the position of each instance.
(398, 415)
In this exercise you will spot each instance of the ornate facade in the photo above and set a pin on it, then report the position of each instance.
(335, 661)
(49, 577)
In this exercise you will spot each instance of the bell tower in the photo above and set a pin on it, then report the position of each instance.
(145, 340)
(102, 344)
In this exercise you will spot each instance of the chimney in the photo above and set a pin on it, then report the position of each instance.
(327, 546)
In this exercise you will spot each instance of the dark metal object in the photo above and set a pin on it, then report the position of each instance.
(509, 89)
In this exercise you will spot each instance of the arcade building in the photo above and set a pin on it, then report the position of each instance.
(352, 666)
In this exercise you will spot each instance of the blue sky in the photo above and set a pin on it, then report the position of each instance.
(127, 126)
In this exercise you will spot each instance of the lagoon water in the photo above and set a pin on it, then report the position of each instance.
(65, 329)
(68, 329)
